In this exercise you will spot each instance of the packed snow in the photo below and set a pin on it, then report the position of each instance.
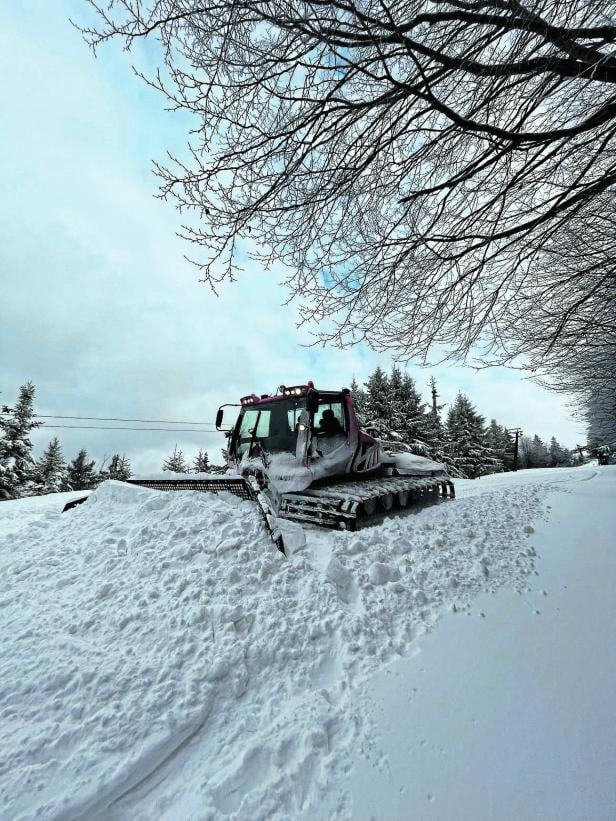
(161, 659)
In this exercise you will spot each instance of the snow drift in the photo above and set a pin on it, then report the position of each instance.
(162, 659)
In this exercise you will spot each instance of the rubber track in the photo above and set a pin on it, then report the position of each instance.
(340, 505)
(364, 489)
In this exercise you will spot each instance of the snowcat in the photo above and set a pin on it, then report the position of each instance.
(302, 455)
(606, 454)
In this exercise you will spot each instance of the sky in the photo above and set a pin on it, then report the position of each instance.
(98, 305)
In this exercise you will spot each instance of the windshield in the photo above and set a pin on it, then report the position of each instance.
(272, 425)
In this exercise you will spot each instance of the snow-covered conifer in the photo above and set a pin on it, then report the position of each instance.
(509, 444)
(557, 455)
(119, 468)
(359, 399)
(466, 440)
(410, 411)
(433, 431)
(17, 464)
(176, 462)
(81, 472)
(51, 473)
(540, 452)
(201, 462)
(499, 442)
(395, 410)
(377, 403)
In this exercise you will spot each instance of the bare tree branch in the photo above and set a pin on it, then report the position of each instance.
(429, 172)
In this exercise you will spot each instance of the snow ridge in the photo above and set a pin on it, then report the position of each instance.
(162, 659)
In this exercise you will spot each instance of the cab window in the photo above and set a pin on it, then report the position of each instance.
(248, 422)
(330, 417)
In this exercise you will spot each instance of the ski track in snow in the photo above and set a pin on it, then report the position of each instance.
(162, 659)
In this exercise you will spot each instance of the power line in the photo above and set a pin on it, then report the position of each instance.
(119, 419)
(206, 425)
(110, 427)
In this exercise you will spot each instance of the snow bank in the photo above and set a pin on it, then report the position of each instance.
(162, 659)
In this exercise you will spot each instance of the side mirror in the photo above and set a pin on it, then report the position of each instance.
(312, 401)
(219, 416)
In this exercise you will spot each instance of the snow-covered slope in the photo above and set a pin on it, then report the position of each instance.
(509, 714)
(162, 660)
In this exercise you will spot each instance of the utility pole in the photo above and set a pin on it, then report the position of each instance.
(518, 433)
(434, 395)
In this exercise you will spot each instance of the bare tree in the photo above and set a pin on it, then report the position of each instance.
(421, 167)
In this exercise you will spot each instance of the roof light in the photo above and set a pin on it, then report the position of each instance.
(249, 400)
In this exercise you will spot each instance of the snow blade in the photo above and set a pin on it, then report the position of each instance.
(236, 485)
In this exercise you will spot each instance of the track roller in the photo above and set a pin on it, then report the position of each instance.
(387, 501)
(368, 507)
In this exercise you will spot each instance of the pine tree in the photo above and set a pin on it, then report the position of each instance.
(358, 396)
(498, 441)
(377, 405)
(395, 411)
(201, 462)
(410, 411)
(176, 462)
(17, 466)
(51, 471)
(125, 467)
(494, 434)
(466, 434)
(557, 455)
(540, 452)
(119, 469)
(509, 443)
(81, 473)
(432, 425)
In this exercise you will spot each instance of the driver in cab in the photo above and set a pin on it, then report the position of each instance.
(329, 425)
